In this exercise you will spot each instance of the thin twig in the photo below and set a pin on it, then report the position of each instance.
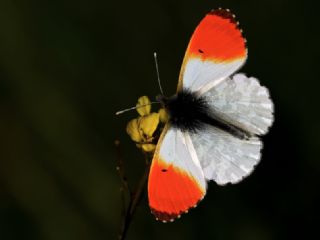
(124, 189)
(135, 197)
(120, 166)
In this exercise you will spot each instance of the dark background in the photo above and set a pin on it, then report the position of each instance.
(67, 66)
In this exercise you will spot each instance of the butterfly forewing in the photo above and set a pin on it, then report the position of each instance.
(216, 50)
(176, 181)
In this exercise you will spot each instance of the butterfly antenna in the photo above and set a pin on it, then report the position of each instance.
(132, 108)
(158, 75)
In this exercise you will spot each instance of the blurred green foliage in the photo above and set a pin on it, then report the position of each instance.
(67, 66)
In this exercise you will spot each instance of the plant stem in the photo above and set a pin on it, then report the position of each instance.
(135, 196)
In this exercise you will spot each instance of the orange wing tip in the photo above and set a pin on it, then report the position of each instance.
(172, 192)
(164, 216)
(218, 38)
(224, 13)
(170, 217)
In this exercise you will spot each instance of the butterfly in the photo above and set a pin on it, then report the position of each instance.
(215, 120)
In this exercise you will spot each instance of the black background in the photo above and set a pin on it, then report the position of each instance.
(67, 66)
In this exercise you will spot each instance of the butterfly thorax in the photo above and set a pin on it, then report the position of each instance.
(190, 112)
(186, 110)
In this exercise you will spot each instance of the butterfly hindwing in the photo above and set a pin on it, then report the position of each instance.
(176, 181)
(242, 102)
(216, 50)
(225, 158)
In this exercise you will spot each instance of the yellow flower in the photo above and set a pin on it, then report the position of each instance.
(133, 130)
(163, 115)
(142, 129)
(145, 102)
(148, 124)
(148, 147)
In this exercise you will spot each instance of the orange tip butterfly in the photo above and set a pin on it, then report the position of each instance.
(215, 120)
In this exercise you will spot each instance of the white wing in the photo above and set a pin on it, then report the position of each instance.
(243, 102)
(200, 75)
(176, 180)
(223, 157)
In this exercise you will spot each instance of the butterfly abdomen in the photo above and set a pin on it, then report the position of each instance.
(189, 112)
